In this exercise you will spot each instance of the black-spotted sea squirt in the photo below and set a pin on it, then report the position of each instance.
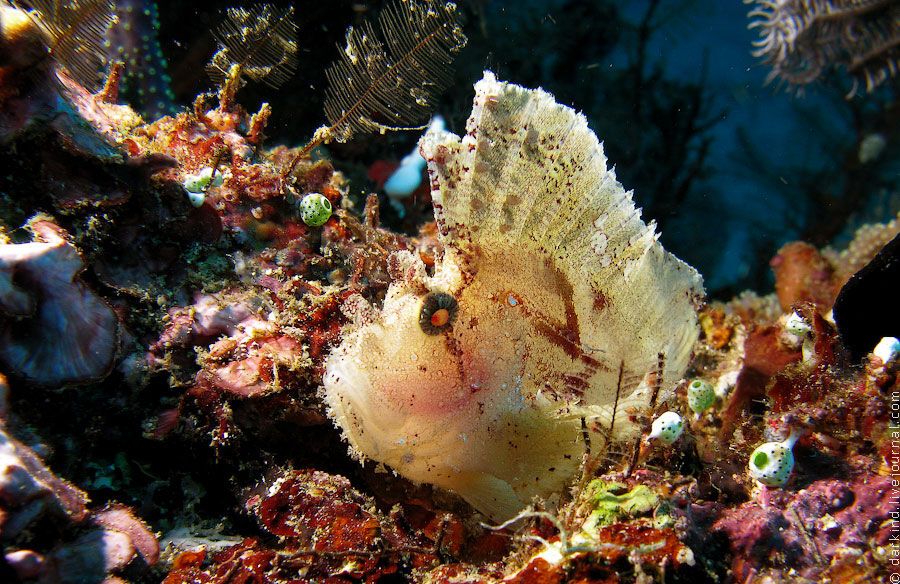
(551, 298)
(701, 395)
(771, 463)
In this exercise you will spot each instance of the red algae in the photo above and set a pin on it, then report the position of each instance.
(327, 532)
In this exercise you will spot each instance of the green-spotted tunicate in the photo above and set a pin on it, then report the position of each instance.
(701, 395)
(797, 325)
(197, 184)
(771, 463)
(315, 209)
(667, 428)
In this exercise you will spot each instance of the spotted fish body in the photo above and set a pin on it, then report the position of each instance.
(565, 300)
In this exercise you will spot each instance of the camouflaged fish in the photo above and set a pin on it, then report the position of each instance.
(552, 297)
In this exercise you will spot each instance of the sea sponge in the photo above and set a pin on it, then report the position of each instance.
(553, 301)
(53, 329)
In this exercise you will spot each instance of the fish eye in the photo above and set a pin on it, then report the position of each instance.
(438, 313)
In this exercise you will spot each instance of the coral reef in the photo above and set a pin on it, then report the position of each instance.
(830, 530)
(56, 331)
(806, 274)
(327, 532)
(85, 546)
(170, 310)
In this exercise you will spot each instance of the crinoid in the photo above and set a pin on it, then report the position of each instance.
(388, 77)
(262, 41)
(800, 39)
(76, 33)
(553, 302)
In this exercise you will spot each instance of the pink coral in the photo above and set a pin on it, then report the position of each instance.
(207, 318)
(812, 531)
(53, 329)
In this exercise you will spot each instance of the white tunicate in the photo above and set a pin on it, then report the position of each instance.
(196, 199)
(202, 180)
(871, 147)
(667, 428)
(771, 463)
(797, 325)
(799, 332)
(887, 349)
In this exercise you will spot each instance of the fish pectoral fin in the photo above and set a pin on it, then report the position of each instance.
(492, 496)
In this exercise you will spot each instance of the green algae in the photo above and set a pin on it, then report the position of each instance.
(612, 503)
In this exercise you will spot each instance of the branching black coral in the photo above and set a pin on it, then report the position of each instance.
(77, 30)
(262, 41)
(802, 38)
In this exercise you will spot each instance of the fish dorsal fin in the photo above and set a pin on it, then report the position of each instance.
(530, 175)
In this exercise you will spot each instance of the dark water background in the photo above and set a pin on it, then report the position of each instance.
(729, 167)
